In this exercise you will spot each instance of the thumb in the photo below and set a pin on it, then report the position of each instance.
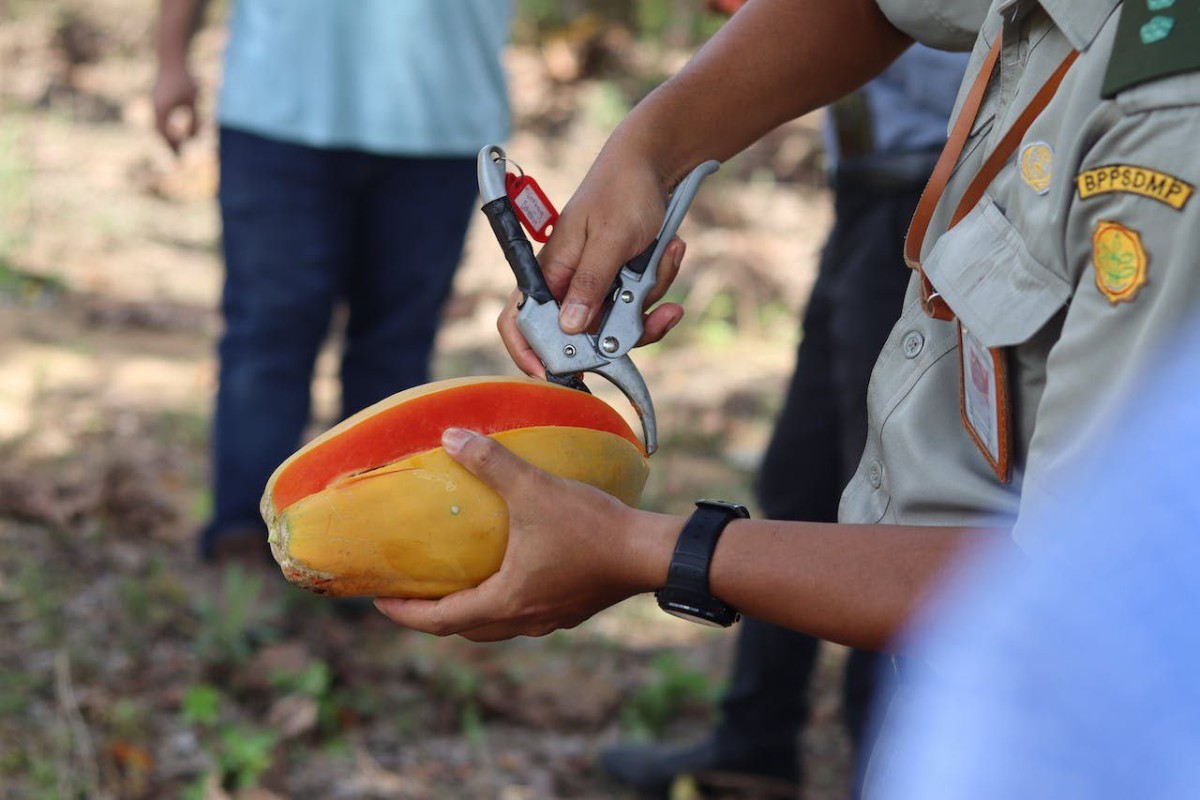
(193, 125)
(485, 458)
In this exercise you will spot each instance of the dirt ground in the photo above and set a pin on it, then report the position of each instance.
(127, 669)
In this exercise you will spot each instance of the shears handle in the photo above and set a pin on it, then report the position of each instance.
(622, 326)
(677, 208)
(566, 356)
(518, 252)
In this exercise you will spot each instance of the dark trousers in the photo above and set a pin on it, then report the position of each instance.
(307, 229)
(814, 450)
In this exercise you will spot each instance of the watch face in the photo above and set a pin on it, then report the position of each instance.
(706, 611)
(691, 617)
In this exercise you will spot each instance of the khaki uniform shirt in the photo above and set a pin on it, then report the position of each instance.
(1024, 270)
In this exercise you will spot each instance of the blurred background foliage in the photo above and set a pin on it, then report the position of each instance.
(126, 669)
(673, 23)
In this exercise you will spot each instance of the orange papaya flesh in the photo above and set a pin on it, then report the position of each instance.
(412, 421)
(424, 526)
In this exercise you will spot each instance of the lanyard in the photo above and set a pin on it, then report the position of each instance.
(931, 301)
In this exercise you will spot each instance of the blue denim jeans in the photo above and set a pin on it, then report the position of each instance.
(306, 229)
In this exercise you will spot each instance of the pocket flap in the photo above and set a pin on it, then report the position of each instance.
(987, 276)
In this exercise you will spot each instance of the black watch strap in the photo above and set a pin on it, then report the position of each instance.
(686, 593)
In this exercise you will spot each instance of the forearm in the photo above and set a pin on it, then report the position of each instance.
(574, 550)
(178, 22)
(774, 61)
(854, 584)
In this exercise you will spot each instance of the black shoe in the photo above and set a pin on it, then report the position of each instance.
(651, 769)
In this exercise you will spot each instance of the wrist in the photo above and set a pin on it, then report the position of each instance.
(647, 143)
(173, 64)
(650, 543)
(661, 130)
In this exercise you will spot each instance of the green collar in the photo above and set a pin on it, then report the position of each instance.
(1155, 39)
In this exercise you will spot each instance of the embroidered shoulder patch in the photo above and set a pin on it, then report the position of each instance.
(1134, 180)
(1120, 261)
(1155, 38)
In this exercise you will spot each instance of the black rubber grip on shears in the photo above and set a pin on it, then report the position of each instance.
(517, 250)
(640, 262)
(573, 381)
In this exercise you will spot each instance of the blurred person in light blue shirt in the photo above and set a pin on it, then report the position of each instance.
(348, 132)
(394, 77)
(1072, 670)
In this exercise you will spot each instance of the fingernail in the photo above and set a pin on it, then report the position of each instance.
(679, 254)
(672, 324)
(455, 439)
(573, 317)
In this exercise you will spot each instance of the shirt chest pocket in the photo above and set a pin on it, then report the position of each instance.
(988, 277)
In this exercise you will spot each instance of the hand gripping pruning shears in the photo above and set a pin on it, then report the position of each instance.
(605, 352)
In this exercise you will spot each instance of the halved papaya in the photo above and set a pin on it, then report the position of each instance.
(375, 506)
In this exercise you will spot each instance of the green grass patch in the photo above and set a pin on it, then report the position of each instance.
(673, 690)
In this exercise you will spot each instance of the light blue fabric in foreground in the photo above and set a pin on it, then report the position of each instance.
(395, 77)
(1073, 671)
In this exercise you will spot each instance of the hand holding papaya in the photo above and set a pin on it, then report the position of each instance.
(572, 551)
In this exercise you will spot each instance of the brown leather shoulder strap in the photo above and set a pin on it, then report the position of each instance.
(1011, 140)
(949, 157)
(992, 165)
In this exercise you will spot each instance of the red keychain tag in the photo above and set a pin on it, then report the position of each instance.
(533, 208)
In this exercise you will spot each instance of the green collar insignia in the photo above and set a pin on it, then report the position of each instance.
(1155, 38)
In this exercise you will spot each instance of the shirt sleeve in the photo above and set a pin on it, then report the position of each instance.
(941, 24)
(1132, 240)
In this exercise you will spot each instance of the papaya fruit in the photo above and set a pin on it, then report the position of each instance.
(375, 507)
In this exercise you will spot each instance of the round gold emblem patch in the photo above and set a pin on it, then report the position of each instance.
(1120, 261)
(1037, 166)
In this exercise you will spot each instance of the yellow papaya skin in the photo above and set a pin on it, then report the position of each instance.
(424, 526)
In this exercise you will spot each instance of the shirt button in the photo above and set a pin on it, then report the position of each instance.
(914, 343)
(875, 474)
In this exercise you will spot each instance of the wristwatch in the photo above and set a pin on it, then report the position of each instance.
(686, 594)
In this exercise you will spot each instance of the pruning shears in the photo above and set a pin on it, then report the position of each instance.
(606, 352)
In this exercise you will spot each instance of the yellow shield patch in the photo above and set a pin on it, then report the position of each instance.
(1120, 261)
(1037, 166)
